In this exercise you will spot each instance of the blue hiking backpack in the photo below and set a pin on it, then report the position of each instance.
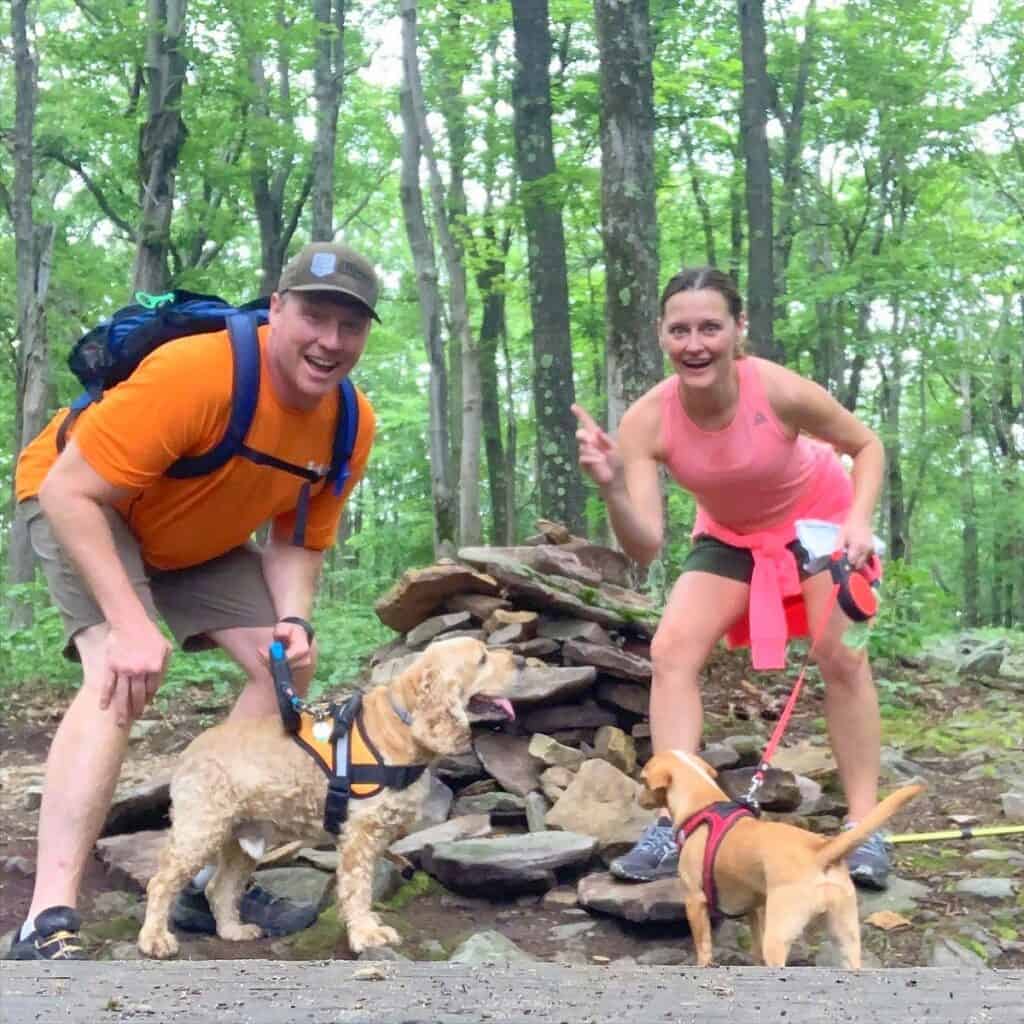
(110, 352)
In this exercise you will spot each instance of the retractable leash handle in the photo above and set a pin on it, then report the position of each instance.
(855, 594)
(287, 699)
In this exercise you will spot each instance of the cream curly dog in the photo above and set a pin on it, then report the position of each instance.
(250, 773)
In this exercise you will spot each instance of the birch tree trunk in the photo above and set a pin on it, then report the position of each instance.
(628, 219)
(422, 246)
(559, 484)
(161, 140)
(470, 532)
(329, 78)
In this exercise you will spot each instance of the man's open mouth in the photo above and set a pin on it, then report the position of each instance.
(323, 365)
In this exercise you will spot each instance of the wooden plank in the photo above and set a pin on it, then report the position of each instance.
(340, 992)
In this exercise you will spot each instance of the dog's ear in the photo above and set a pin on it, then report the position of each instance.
(439, 720)
(651, 799)
(657, 776)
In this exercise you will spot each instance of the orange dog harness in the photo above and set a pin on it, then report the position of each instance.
(340, 745)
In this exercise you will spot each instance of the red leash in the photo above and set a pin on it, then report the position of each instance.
(757, 780)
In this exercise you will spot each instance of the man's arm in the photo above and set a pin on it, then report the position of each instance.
(292, 574)
(73, 497)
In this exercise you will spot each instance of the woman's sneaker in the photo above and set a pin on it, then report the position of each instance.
(654, 856)
(869, 863)
(54, 936)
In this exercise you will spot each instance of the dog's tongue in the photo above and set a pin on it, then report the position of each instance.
(506, 706)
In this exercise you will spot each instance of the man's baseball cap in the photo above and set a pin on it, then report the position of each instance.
(332, 267)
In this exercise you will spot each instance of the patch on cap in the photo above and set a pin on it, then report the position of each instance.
(322, 264)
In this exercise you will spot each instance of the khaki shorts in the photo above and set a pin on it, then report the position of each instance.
(224, 593)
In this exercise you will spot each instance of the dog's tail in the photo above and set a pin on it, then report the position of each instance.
(842, 844)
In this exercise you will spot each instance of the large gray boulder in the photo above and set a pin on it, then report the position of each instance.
(507, 864)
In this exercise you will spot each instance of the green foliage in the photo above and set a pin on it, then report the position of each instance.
(346, 634)
(912, 606)
(904, 272)
(34, 655)
(420, 885)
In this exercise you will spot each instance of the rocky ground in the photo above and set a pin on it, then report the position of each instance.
(952, 902)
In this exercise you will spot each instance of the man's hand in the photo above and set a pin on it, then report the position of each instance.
(136, 661)
(599, 454)
(297, 645)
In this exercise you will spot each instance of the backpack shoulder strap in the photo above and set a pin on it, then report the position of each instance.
(245, 393)
(345, 433)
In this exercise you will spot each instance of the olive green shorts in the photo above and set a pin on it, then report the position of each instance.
(710, 555)
(224, 593)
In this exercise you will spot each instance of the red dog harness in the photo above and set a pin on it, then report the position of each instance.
(719, 818)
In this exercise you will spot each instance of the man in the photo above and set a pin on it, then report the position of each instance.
(122, 544)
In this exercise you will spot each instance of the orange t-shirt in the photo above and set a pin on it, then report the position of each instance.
(178, 403)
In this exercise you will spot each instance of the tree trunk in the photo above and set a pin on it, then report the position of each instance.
(559, 484)
(892, 397)
(269, 175)
(761, 240)
(736, 190)
(33, 246)
(633, 361)
(968, 508)
(329, 78)
(792, 159)
(490, 280)
(707, 222)
(470, 532)
(161, 140)
(422, 247)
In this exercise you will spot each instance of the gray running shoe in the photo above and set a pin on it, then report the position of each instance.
(654, 856)
(275, 915)
(869, 863)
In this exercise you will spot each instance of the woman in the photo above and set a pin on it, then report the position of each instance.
(756, 445)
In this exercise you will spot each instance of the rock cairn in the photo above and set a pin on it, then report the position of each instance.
(554, 792)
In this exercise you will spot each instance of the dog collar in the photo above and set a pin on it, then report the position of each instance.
(399, 710)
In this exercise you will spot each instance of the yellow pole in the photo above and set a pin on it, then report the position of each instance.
(957, 833)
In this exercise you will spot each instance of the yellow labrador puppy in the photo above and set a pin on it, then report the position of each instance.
(779, 876)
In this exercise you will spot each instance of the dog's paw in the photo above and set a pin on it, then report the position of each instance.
(371, 934)
(156, 944)
(239, 932)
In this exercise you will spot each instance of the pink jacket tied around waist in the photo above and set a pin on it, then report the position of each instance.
(776, 609)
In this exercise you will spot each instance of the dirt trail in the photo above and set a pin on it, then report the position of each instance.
(965, 739)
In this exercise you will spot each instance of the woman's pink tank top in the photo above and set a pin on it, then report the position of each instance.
(749, 475)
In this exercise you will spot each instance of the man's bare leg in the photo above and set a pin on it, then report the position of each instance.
(81, 774)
